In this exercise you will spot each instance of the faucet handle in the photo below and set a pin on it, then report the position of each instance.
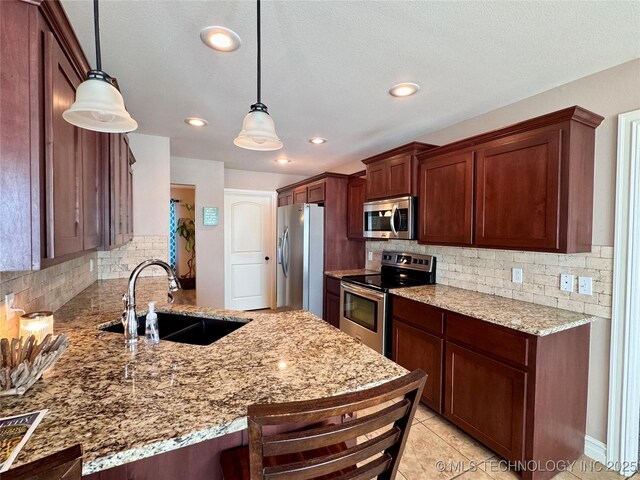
(169, 297)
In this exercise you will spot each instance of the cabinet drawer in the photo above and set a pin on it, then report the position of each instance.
(485, 337)
(420, 315)
(332, 285)
(315, 192)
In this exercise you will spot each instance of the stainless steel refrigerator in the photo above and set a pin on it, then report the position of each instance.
(300, 257)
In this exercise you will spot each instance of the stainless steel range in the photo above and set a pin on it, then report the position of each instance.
(364, 299)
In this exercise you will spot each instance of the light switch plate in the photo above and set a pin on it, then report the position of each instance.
(370, 255)
(585, 286)
(516, 275)
(566, 282)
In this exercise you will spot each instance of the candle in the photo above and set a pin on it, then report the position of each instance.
(38, 324)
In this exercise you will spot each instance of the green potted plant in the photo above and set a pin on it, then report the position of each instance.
(186, 228)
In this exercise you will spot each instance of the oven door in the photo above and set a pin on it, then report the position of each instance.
(362, 315)
(393, 218)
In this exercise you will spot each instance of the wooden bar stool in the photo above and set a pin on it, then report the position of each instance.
(324, 451)
(63, 465)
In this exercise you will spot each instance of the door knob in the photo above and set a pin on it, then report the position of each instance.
(266, 258)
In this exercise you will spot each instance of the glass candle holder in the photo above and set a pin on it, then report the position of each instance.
(38, 324)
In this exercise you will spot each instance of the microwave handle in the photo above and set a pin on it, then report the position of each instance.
(394, 210)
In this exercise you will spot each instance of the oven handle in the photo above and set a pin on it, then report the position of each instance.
(362, 291)
(394, 210)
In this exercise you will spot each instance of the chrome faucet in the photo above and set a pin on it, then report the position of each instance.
(129, 316)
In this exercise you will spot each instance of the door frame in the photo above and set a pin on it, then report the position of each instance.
(624, 386)
(273, 196)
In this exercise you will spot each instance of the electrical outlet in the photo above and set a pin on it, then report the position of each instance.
(585, 286)
(91, 264)
(516, 275)
(566, 282)
(370, 255)
(8, 304)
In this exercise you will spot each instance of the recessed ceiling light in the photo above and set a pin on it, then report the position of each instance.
(282, 161)
(196, 122)
(404, 89)
(317, 140)
(220, 38)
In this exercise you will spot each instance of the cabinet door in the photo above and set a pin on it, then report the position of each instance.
(356, 195)
(377, 180)
(130, 162)
(124, 188)
(91, 180)
(413, 348)
(517, 188)
(315, 192)
(399, 176)
(486, 399)
(63, 155)
(300, 195)
(115, 187)
(332, 309)
(446, 199)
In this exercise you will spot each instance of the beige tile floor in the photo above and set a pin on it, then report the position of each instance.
(437, 450)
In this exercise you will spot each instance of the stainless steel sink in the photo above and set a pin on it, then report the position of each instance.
(185, 329)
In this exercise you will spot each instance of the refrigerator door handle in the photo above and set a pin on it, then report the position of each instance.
(279, 255)
(285, 256)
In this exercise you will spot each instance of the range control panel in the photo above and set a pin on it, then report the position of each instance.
(414, 261)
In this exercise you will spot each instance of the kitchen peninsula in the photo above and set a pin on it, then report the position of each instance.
(126, 406)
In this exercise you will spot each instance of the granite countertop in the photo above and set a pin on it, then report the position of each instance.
(526, 317)
(127, 405)
(355, 271)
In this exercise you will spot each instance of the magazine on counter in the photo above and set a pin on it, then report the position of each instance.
(14, 433)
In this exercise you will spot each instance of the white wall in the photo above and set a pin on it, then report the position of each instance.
(151, 179)
(246, 180)
(208, 178)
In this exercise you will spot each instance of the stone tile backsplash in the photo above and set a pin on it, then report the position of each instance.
(46, 289)
(489, 271)
(119, 262)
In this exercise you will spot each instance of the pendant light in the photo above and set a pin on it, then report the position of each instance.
(99, 106)
(258, 130)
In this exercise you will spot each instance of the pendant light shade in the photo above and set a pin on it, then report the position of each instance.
(258, 130)
(99, 106)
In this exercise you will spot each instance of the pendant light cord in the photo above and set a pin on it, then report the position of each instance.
(259, 52)
(96, 30)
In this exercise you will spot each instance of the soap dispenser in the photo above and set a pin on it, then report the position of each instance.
(151, 334)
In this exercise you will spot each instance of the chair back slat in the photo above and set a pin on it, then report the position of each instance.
(368, 471)
(319, 466)
(331, 451)
(333, 434)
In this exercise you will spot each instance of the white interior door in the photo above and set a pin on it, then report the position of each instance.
(249, 249)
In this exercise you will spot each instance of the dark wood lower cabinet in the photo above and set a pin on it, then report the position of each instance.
(331, 310)
(486, 398)
(413, 348)
(523, 396)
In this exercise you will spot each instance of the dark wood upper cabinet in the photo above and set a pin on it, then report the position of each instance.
(394, 173)
(53, 172)
(65, 217)
(518, 190)
(118, 191)
(92, 189)
(532, 187)
(300, 195)
(315, 192)
(285, 198)
(446, 199)
(356, 196)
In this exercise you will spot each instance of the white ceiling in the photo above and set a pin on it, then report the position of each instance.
(327, 66)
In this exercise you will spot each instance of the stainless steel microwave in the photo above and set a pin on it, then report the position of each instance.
(390, 218)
